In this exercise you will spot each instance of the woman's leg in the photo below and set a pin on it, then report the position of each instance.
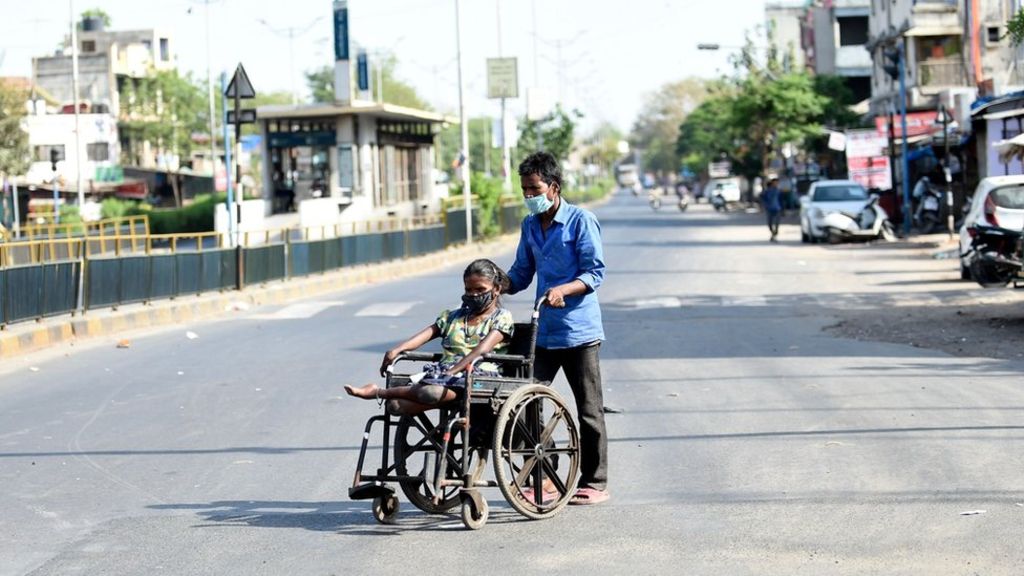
(427, 394)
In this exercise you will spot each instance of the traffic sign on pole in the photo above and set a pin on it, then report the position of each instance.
(240, 85)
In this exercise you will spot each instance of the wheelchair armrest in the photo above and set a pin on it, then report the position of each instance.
(506, 358)
(418, 357)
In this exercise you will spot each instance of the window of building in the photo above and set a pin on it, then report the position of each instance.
(88, 46)
(43, 152)
(993, 34)
(165, 50)
(98, 152)
(853, 30)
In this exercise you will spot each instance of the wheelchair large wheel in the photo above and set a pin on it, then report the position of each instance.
(418, 444)
(536, 444)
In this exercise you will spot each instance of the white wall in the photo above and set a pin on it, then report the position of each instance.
(59, 129)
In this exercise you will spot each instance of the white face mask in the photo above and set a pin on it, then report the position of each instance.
(538, 204)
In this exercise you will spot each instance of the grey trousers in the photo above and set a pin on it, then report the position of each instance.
(582, 369)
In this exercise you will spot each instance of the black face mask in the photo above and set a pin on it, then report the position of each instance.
(477, 302)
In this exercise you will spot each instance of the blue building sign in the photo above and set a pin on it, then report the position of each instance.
(341, 30)
(362, 71)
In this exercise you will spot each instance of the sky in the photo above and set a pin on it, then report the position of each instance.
(599, 56)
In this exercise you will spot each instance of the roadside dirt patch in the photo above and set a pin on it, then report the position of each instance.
(990, 330)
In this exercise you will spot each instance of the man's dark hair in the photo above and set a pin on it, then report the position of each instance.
(544, 165)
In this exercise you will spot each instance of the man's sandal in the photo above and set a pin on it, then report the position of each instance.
(589, 496)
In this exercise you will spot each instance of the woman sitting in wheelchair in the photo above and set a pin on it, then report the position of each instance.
(479, 327)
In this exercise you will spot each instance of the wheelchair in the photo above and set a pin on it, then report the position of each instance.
(438, 458)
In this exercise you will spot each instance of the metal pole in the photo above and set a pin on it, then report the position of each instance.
(946, 170)
(506, 152)
(74, 88)
(291, 60)
(227, 161)
(903, 138)
(380, 77)
(56, 199)
(209, 94)
(464, 125)
(17, 210)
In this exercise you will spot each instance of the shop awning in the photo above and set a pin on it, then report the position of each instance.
(953, 30)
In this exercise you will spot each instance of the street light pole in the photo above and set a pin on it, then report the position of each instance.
(209, 96)
(78, 126)
(903, 139)
(290, 33)
(464, 125)
(506, 152)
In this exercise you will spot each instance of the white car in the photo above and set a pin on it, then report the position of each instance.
(825, 197)
(723, 191)
(995, 221)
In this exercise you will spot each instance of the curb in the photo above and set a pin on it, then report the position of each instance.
(25, 338)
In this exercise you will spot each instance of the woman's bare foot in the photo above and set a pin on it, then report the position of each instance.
(367, 392)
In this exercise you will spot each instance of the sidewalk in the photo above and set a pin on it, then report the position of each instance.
(30, 336)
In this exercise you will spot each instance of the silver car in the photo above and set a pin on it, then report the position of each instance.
(825, 197)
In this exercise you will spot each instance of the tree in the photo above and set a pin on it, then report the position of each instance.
(656, 129)
(601, 147)
(1015, 28)
(14, 151)
(165, 109)
(708, 131)
(96, 13)
(396, 91)
(557, 131)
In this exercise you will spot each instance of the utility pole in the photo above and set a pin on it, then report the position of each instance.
(466, 192)
(209, 95)
(78, 126)
(903, 139)
(946, 169)
(506, 151)
(291, 33)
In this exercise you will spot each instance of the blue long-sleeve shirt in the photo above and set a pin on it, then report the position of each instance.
(569, 250)
(771, 199)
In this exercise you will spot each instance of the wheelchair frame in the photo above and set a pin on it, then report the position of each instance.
(519, 405)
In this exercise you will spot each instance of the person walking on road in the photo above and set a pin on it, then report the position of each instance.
(771, 199)
(561, 245)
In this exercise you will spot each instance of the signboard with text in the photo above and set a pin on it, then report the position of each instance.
(918, 123)
(502, 78)
(871, 171)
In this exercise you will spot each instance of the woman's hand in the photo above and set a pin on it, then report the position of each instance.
(389, 358)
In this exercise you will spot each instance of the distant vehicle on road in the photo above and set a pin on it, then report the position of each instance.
(837, 210)
(991, 231)
(722, 192)
(628, 176)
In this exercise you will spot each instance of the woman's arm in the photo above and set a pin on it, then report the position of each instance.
(493, 338)
(415, 341)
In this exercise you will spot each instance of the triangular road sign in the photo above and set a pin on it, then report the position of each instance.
(240, 82)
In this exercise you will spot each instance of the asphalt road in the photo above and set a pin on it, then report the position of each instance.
(750, 441)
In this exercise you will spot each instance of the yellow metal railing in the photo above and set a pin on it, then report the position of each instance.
(27, 252)
(126, 236)
(107, 227)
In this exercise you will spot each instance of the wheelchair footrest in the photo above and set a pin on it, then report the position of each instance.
(369, 491)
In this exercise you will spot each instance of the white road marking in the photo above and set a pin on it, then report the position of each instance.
(748, 301)
(660, 302)
(387, 309)
(298, 311)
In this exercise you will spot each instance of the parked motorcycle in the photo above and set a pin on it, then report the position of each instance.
(871, 223)
(927, 217)
(994, 258)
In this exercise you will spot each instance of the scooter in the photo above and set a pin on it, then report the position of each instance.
(654, 200)
(996, 255)
(927, 217)
(871, 223)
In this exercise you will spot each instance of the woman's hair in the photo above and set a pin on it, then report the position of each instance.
(545, 166)
(487, 269)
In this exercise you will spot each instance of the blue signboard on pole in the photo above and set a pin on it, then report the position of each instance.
(363, 71)
(341, 30)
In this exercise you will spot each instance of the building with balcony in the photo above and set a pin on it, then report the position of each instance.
(835, 36)
(949, 50)
(108, 62)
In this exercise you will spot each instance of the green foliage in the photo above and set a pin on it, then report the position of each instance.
(14, 150)
(601, 147)
(396, 91)
(1015, 28)
(594, 191)
(196, 217)
(488, 204)
(656, 129)
(557, 131)
(120, 208)
(164, 108)
(96, 13)
(482, 157)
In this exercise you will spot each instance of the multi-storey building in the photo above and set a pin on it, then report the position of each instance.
(952, 46)
(835, 35)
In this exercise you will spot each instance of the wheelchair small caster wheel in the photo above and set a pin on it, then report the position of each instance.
(385, 509)
(471, 517)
